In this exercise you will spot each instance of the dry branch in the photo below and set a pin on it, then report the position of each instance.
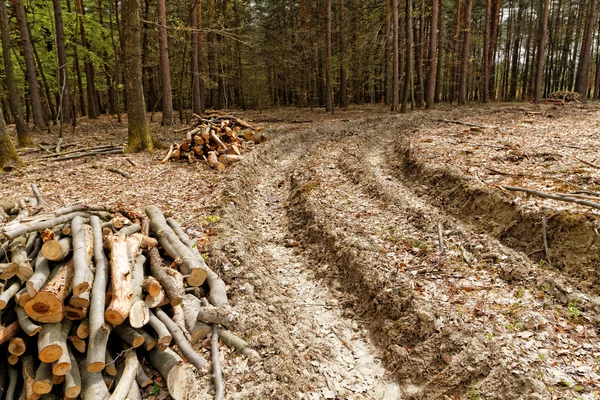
(553, 197)
(196, 359)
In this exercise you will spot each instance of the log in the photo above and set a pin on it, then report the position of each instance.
(72, 379)
(179, 319)
(22, 297)
(15, 231)
(8, 270)
(139, 313)
(553, 197)
(130, 230)
(44, 380)
(28, 326)
(38, 197)
(110, 367)
(13, 376)
(82, 257)
(233, 341)
(75, 313)
(230, 159)
(11, 359)
(49, 342)
(39, 277)
(120, 305)
(127, 377)
(142, 379)
(152, 286)
(173, 291)
(156, 301)
(194, 358)
(179, 376)
(6, 332)
(83, 329)
(149, 340)
(57, 250)
(217, 315)
(164, 336)
(198, 330)
(129, 335)
(78, 343)
(217, 373)
(18, 255)
(48, 304)
(134, 391)
(16, 346)
(10, 290)
(214, 162)
(63, 365)
(176, 249)
(29, 377)
(89, 154)
(98, 329)
(92, 384)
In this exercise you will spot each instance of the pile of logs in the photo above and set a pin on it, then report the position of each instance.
(219, 140)
(87, 293)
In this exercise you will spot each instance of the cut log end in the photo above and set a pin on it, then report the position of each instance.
(114, 317)
(197, 277)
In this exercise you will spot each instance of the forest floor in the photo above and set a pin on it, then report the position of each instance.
(328, 237)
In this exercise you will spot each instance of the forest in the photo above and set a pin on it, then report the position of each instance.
(294, 199)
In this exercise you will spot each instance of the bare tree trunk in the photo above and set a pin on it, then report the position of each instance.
(597, 75)
(464, 64)
(454, 71)
(542, 33)
(387, 98)
(514, 74)
(8, 153)
(329, 72)
(39, 119)
(196, 95)
(408, 77)
(64, 89)
(112, 106)
(343, 80)
(440, 59)
(87, 64)
(486, 52)
(581, 82)
(432, 56)
(493, 46)
(13, 96)
(420, 34)
(140, 137)
(165, 69)
(395, 69)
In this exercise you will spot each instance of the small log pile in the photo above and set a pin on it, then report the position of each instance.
(87, 293)
(565, 95)
(219, 140)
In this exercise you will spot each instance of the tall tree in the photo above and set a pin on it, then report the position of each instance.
(581, 82)
(432, 55)
(516, 55)
(329, 72)
(165, 69)
(386, 50)
(486, 52)
(197, 100)
(39, 119)
(542, 34)
(464, 62)
(140, 137)
(14, 101)
(440, 56)
(494, 32)
(92, 101)
(61, 53)
(408, 76)
(343, 80)
(8, 153)
(395, 66)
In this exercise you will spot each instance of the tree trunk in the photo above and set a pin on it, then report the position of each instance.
(395, 70)
(14, 101)
(8, 153)
(329, 72)
(542, 33)
(64, 89)
(486, 52)
(214, 93)
(387, 98)
(140, 137)
(112, 106)
(493, 47)
(343, 80)
(597, 74)
(92, 102)
(196, 95)
(440, 59)
(431, 81)
(514, 73)
(420, 56)
(455, 62)
(39, 119)
(464, 63)
(165, 70)
(408, 77)
(581, 82)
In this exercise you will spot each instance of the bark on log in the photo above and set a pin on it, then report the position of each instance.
(179, 376)
(75, 313)
(29, 377)
(158, 301)
(6, 332)
(217, 315)
(44, 380)
(149, 340)
(152, 286)
(130, 230)
(214, 162)
(83, 330)
(92, 384)
(173, 291)
(198, 330)
(179, 319)
(175, 248)
(39, 277)
(82, 257)
(110, 367)
(49, 346)
(57, 250)
(8, 270)
(142, 379)
(63, 365)
(217, 373)
(139, 313)
(233, 341)
(164, 336)
(13, 376)
(134, 392)
(18, 255)
(99, 330)
(73, 378)
(15, 231)
(127, 378)
(28, 326)
(48, 304)
(120, 305)
(194, 358)
(10, 290)
(129, 335)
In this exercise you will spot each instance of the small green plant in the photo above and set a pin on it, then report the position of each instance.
(573, 310)
(416, 244)
(155, 390)
(542, 357)
(211, 219)
(542, 263)
(473, 392)
(490, 336)
(520, 293)
(516, 327)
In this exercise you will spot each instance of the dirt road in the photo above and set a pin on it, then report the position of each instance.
(335, 261)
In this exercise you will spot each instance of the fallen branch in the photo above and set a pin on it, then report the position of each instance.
(194, 358)
(217, 374)
(553, 197)
(464, 123)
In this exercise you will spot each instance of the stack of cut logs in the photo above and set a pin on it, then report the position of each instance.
(86, 293)
(219, 140)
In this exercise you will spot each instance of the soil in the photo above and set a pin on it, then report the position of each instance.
(368, 261)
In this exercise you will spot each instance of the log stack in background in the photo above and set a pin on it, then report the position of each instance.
(219, 140)
(88, 293)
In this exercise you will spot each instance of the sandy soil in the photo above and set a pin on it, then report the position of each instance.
(328, 237)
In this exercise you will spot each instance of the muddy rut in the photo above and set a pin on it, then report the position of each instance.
(336, 264)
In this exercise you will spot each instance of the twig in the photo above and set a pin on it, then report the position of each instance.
(545, 237)
(587, 162)
(553, 197)
(440, 238)
(130, 161)
(463, 123)
(93, 153)
(117, 171)
(58, 145)
(217, 373)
